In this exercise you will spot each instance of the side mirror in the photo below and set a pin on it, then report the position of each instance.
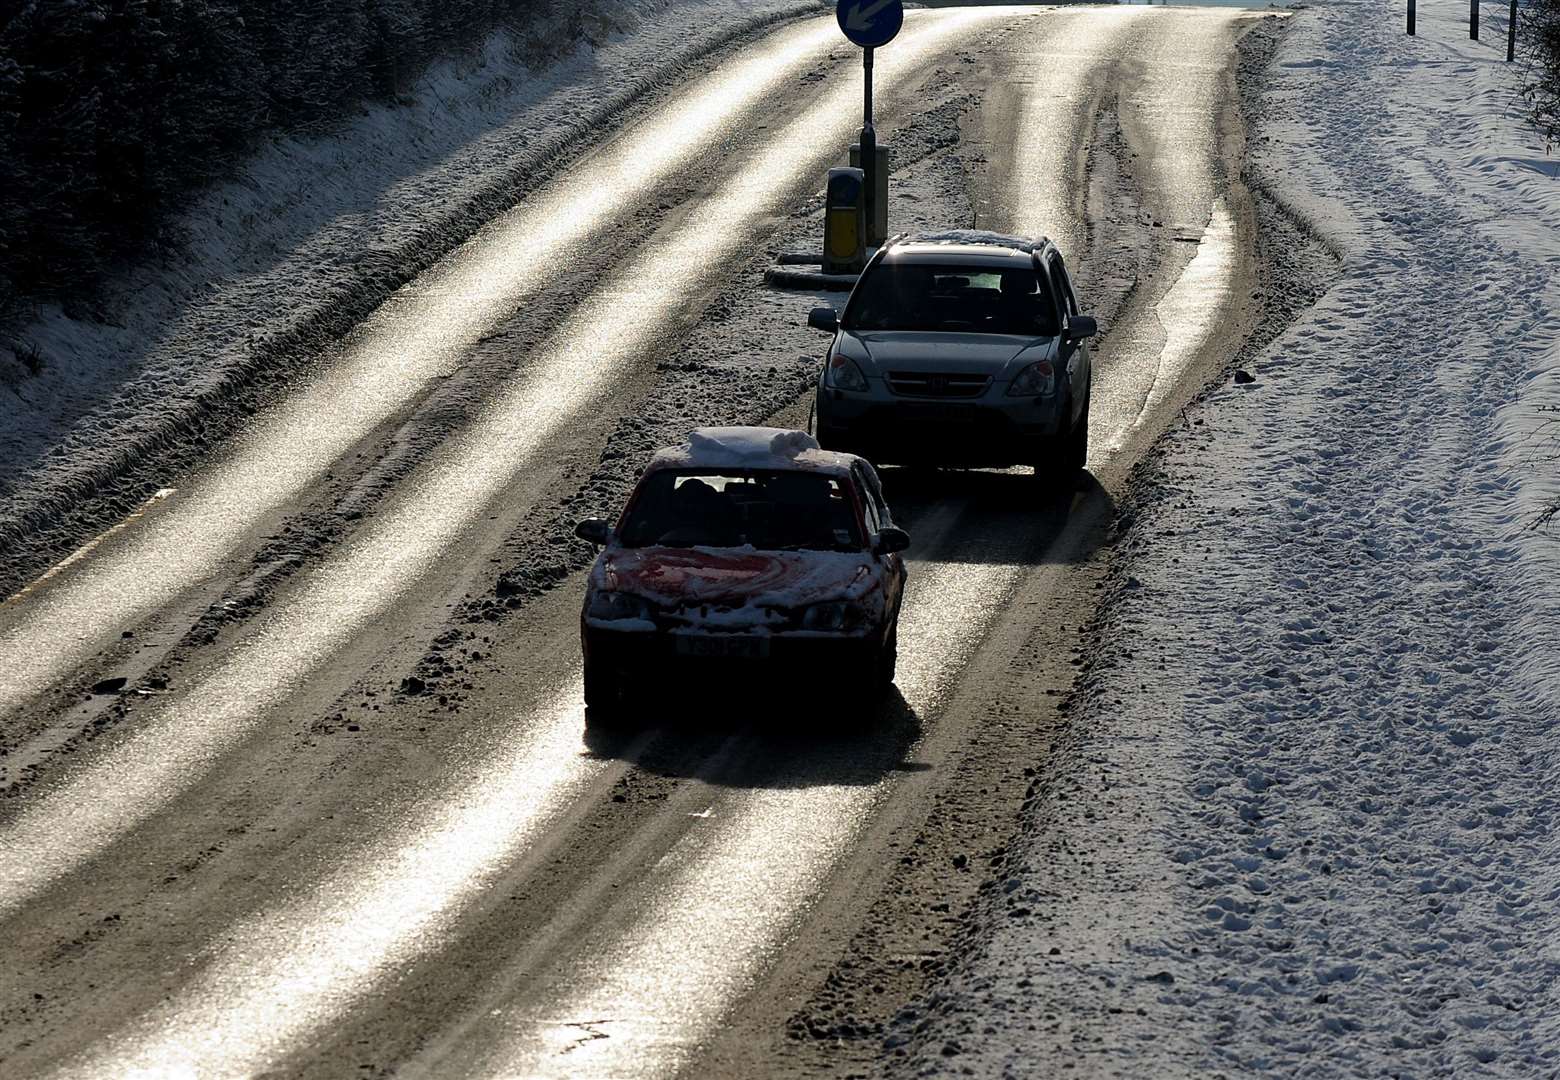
(596, 530)
(1082, 326)
(824, 318)
(892, 539)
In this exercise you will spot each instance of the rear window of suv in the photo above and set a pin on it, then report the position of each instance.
(964, 299)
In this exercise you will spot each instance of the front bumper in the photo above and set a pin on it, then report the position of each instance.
(989, 431)
(650, 656)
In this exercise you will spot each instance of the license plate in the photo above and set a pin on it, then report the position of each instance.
(746, 648)
(940, 414)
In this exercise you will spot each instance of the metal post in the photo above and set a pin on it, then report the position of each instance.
(866, 63)
(1473, 19)
(868, 144)
(1511, 34)
(1410, 18)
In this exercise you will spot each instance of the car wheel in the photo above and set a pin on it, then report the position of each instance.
(603, 692)
(1076, 453)
(888, 658)
(1067, 456)
(861, 701)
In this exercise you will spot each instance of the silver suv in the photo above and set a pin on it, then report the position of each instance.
(959, 348)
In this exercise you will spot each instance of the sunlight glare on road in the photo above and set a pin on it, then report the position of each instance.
(170, 752)
(653, 977)
(1043, 190)
(1192, 310)
(49, 837)
(286, 973)
(726, 896)
(418, 334)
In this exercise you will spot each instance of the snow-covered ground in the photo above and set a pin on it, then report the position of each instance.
(316, 232)
(1307, 821)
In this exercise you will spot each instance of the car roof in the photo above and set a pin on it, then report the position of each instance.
(752, 448)
(974, 246)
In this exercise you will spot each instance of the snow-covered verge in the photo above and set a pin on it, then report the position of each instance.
(1306, 824)
(312, 235)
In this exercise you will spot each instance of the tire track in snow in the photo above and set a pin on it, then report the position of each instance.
(781, 895)
(54, 834)
(654, 978)
(416, 336)
(304, 964)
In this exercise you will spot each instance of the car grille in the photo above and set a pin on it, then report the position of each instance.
(937, 384)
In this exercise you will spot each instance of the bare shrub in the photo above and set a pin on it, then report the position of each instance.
(110, 112)
(1539, 31)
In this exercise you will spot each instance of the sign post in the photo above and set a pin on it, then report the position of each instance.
(1511, 34)
(870, 24)
(869, 161)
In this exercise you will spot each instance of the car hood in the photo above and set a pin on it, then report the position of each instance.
(736, 577)
(999, 355)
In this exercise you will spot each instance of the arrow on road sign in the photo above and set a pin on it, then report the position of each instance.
(860, 19)
(870, 23)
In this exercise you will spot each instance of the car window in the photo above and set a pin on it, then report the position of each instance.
(873, 489)
(1063, 285)
(978, 299)
(869, 507)
(769, 509)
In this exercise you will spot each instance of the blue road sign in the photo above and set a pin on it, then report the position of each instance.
(870, 23)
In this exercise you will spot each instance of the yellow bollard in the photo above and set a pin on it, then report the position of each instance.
(844, 225)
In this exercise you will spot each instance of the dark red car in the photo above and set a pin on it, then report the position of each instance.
(747, 550)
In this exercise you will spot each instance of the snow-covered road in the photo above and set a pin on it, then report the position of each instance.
(574, 374)
(421, 335)
(1306, 822)
(275, 847)
(316, 234)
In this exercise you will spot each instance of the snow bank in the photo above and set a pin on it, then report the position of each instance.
(309, 237)
(1307, 825)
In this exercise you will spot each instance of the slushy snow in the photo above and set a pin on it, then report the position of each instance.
(752, 448)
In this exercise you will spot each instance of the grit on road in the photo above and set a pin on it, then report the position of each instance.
(214, 886)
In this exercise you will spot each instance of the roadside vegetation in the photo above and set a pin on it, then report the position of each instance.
(1541, 30)
(111, 110)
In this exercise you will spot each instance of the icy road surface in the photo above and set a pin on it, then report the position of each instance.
(266, 856)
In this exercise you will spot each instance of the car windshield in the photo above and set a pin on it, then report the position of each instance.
(771, 509)
(965, 299)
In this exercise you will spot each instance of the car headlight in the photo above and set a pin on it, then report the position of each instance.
(843, 374)
(612, 606)
(1036, 380)
(837, 615)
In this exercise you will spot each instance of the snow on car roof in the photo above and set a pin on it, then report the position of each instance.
(975, 238)
(751, 448)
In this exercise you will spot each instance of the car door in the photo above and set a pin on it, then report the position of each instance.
(876, 514)
(1074, 352)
